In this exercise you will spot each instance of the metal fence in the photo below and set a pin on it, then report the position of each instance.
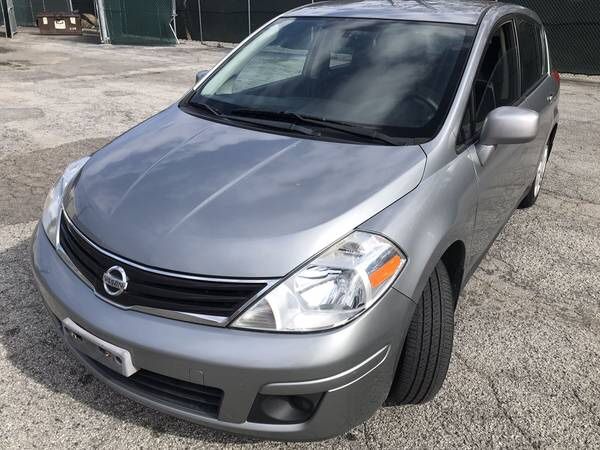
(227, 21)
(26, 11)
(144, 22)
(84, 6)
(7, 18)
(573, 28)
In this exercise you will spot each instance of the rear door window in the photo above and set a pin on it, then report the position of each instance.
(532, 60)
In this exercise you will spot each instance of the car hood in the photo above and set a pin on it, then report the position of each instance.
(189, 195)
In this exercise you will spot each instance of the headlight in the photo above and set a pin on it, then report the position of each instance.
(53, 202)
(330, 290)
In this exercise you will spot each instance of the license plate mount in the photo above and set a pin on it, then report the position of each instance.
(110, 355)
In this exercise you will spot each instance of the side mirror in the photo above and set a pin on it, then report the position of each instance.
(200, 75)
(509, 125)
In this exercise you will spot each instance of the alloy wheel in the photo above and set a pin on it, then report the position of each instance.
(541, 169)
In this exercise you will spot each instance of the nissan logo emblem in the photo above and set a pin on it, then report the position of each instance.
(115, 281)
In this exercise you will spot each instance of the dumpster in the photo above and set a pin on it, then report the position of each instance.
(59, 23)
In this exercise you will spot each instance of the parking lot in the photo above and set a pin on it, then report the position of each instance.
(525, 370)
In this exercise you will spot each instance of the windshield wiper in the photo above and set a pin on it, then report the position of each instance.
(344, 127)
(256, 121)
(273, 124)
(211, 109)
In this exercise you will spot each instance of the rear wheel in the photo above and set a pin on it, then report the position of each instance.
(428, 345)
(536, 186)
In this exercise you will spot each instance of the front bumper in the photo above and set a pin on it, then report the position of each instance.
(353, 365)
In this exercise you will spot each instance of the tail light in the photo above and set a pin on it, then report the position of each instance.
(556, 75)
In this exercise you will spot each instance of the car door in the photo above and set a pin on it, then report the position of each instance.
(501, 175)
(538, 88)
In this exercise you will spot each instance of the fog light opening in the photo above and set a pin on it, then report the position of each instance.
(284, 408)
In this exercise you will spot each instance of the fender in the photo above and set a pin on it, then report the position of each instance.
(428, 220)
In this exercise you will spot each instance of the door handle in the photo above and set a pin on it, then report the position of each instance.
(550, 98)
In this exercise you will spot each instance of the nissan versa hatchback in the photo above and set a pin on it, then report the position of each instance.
(282, 250)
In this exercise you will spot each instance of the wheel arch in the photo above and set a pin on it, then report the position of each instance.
(452, 252)
(454, 260)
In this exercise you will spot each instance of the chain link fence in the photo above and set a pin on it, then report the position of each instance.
(26, 11)
(144, 22)
(227, 21)
(141, 22)
(573, 28)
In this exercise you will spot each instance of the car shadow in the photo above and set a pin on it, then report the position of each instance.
(34, 348)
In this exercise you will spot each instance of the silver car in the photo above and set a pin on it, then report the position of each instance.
(283, 250)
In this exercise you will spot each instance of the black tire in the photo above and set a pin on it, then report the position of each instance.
(428, 345)
(530, 198)
(532, 195)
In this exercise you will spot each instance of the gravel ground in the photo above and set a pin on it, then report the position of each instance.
(526, 365)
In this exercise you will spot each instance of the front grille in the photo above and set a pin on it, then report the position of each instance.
(183, 394)
(155, 290)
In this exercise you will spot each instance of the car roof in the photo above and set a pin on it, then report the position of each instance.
(447, 11)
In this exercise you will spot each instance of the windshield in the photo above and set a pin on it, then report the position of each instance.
(394, 77)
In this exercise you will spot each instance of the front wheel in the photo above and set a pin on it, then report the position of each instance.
(428, 345)
(536, 186)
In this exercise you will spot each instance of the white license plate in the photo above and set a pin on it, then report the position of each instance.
(113, 357)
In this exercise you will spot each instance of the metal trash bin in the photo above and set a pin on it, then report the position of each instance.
(59, 23)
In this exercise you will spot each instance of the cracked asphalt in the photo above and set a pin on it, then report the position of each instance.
(525, 371)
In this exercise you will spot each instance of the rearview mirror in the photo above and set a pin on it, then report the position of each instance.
(509, 125)
(200, 75)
